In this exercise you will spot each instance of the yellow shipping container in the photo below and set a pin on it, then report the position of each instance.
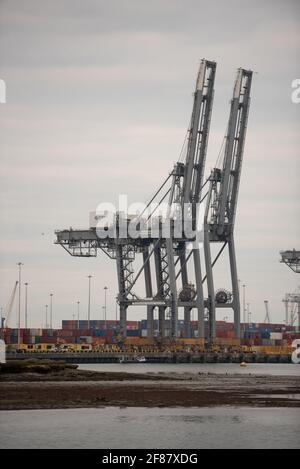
(195, 341)
(82, 347)
(228, 342)
(99, 341)
(272, 350)
(146, 341)
(133, 341)
(45, 347)
(23, 347)
(31, 347)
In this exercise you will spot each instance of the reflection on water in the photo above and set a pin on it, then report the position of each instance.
(151, 428)
(230, 368)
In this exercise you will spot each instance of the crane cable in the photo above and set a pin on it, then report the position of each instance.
(221, 150)
(166, 180)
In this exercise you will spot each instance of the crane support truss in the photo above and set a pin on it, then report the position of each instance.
(171, 255)
(292, 303)
(292, 259)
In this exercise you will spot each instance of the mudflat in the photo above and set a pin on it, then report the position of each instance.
(71, 388)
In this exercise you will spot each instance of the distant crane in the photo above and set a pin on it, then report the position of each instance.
(267, 319)
(291, 259)
(293, 301)
(10, 304)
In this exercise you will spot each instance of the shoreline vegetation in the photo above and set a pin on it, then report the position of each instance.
(45, 384)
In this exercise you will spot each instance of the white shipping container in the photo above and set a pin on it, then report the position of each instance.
(276, 335)
(144, 332)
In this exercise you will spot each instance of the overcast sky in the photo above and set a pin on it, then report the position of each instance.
(99, 96)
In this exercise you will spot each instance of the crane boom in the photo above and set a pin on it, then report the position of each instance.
(198, 133)
(223, 195)
(235, 140)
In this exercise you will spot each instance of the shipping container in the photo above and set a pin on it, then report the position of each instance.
(276, 335)
(133, 333)
(192, 341)
(268, 342)
(133, 341)
(98, 341)
(144, 324)
(228, 342)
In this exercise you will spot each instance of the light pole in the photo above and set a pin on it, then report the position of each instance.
(105, 290)
(19, 305)
(46, 307)
(116, 308)
(26, 301)
(89, 302)
(248, 312)
(78, 303)
(244, 304)
(103, 314)
(51, 296)
(286, 303)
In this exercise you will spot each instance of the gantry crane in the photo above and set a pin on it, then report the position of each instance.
(185, 197)
(169, 244)
(292, 260)
(292, 305)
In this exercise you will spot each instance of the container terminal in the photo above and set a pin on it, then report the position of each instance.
(175, 277)
(103, 342)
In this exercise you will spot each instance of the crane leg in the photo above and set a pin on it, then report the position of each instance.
(161, 321)
(150, 322)
(199, 290)
(173, 289)
(187, 322)
(210, 286)
(122, 291)
(235, 287)
(187, 309)
(149, 292)
(123, 320)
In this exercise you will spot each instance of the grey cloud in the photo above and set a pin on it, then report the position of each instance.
(99, 99)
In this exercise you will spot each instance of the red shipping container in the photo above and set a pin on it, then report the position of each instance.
(230, 335)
